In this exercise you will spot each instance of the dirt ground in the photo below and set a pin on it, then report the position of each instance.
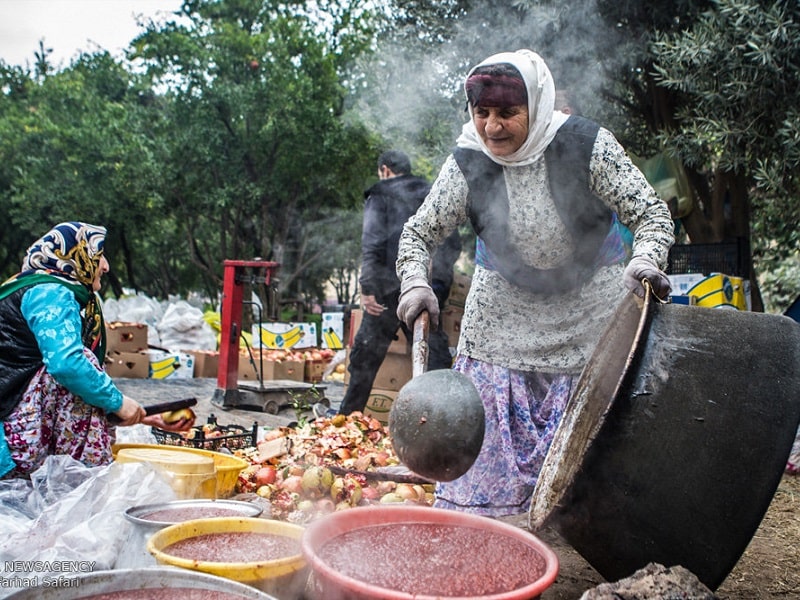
(769, 568)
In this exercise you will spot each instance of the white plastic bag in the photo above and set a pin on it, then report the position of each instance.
(183, 328)
(69, 517)
(136, 434)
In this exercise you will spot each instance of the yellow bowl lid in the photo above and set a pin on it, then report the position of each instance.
(170, 460)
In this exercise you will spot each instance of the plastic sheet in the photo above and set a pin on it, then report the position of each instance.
(136, 434)
(339, 358)
(69, 518)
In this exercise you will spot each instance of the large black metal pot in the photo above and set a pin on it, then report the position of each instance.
(675, 440)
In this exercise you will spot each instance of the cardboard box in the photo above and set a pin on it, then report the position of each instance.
(333, 330)
(132, 365)
(206, 363)
(285, 335)
(126, 337)
(451, 324)
(379, 404)
(171, 365)
(400, 345)
(293, 370)
(719, 291)
(314, 370)
(683, 282)
(355, 322)
(246, 369)
(459, 290)
(395, 371)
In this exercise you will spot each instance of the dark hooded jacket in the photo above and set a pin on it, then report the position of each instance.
(389, 204)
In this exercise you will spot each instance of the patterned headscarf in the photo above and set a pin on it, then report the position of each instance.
(543, 119)
(70, 251)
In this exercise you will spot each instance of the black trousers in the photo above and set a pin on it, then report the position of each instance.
(370, 345)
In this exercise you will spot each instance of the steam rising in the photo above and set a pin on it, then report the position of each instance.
(415, 97)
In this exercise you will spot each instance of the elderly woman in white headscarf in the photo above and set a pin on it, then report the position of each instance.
(55, 397)
(547, 194)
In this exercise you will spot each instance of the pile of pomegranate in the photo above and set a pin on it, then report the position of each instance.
(327, 465)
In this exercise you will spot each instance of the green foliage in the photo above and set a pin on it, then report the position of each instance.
(304, 401)
(223, 137)
(76, 151)
(783, 281)
(258, 151)
(735, 70)
(736, 78)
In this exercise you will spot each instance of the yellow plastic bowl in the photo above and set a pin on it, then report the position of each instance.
(274, 575)
(228, 466)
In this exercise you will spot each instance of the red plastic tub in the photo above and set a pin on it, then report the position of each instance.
(420, 553)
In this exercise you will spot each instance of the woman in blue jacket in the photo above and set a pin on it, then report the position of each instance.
(54, 394)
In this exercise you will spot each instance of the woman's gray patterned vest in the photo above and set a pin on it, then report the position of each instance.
(587, 219)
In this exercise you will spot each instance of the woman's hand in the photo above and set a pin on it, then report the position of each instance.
(416, 295)
(641, 268)
(177, 426)
(130, 413)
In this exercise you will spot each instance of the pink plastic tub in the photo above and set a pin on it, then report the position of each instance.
(419, 553)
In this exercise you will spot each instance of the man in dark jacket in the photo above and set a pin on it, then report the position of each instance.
(389, 204)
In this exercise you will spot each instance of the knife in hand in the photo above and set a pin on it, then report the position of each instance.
(161, 407)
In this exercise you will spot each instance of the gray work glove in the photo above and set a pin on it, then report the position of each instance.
(641, 268)
(417, 295)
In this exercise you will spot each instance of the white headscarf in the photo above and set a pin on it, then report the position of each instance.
(543, 119)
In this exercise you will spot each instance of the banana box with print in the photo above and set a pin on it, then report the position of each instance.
(283, 336)
(171, 365)
(719, 291)
(681, 283)
(333, 330)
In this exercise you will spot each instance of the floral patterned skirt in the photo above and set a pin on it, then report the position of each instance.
(51, 420)
(793, 464)
(523, 410)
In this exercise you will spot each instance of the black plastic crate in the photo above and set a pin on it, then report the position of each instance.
(211, 436)
(729, 258)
